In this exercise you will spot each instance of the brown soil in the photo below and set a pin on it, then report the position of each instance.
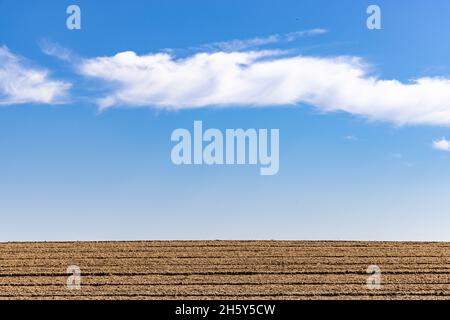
(225, 270)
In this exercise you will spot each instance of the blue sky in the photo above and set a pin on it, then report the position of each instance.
(352, 166)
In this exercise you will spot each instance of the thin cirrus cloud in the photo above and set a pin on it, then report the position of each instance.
(267, 78)
(53, 49)
(239, 44)
(21, 83)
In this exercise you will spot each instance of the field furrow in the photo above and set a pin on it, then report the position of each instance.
(225, 270)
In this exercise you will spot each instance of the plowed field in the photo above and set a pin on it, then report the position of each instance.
(225, 270)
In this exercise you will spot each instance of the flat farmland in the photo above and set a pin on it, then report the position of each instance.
(225, 270)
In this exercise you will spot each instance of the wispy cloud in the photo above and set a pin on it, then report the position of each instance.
(22, 83)
(351, 138)
(266, 78)
(396, 155)
(442, 144)
(400, 158)
(239, 44)
(53, 49)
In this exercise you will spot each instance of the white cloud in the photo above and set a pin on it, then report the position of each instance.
(442, 144)
(396, 155)
(268, 78)
(238, 44)
(20, 83)
(351, 138)
(55, 50)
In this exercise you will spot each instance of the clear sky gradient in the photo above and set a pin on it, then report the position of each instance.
(69, 171)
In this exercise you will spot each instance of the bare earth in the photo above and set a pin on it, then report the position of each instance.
(225, 270)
